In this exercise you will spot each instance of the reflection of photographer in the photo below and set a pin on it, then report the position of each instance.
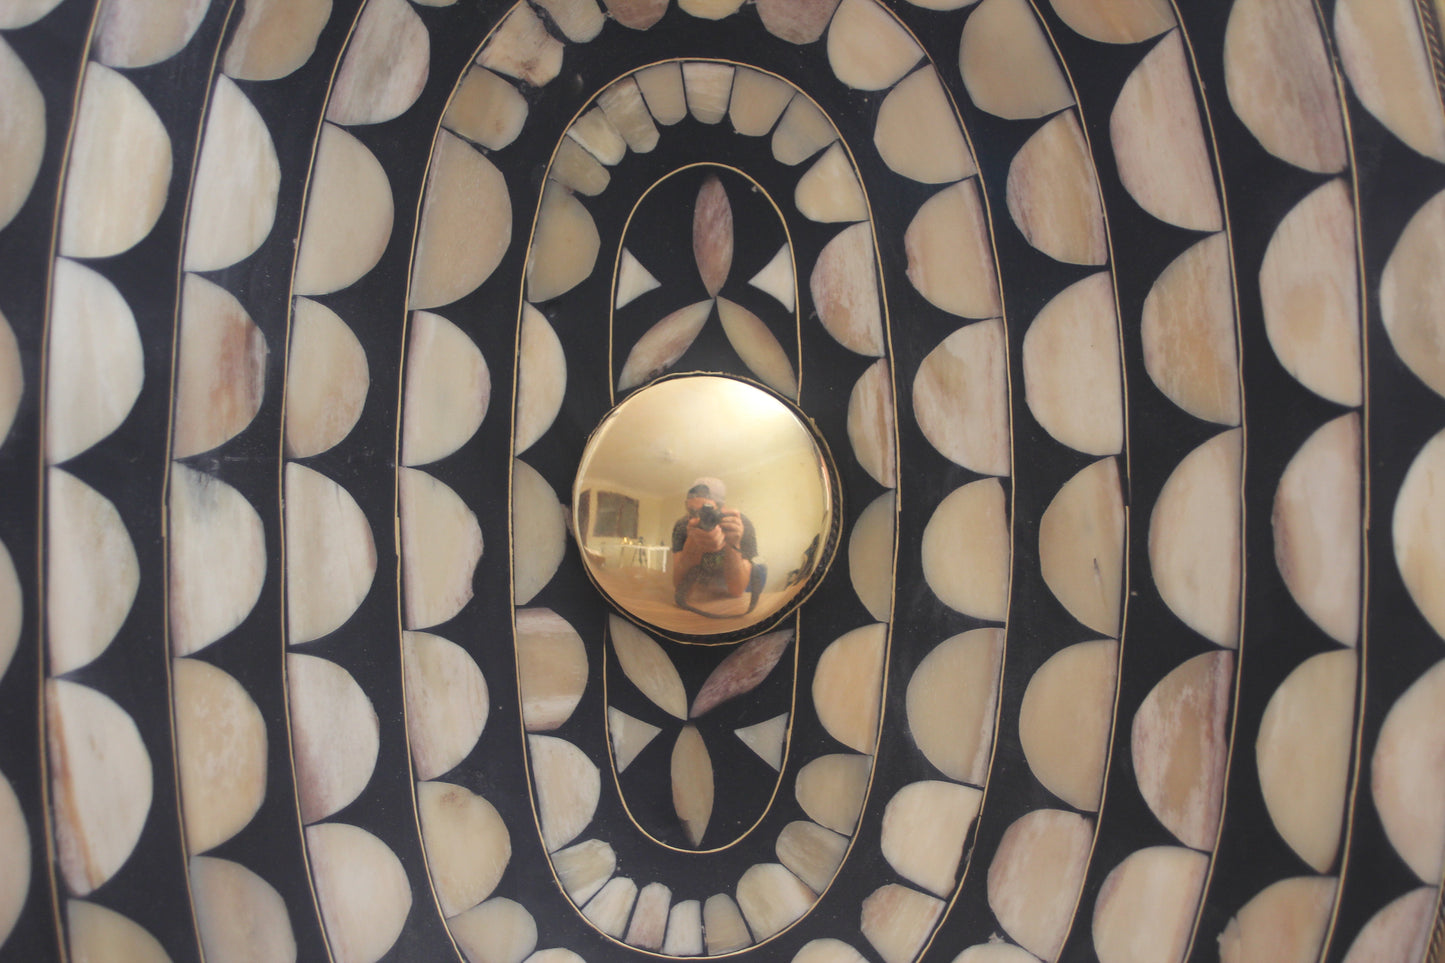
(712, 546)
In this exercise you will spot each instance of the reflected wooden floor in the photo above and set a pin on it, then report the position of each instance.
(648, 595)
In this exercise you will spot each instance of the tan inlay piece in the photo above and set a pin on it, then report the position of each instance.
(22, 117)
(829, 193)
(467, 844)
(710, 9)
(555, 954)
(21, 13)
(692, 783)
(665, 342)
(486, 109)
(951, 701)
(950, 261)
(1188, 333)
(220, 369)
(1303, 754)
(539, 532)
(1310, 292)
(95, 365)
(1066, 718)
(649, 919)
(275, 37)
(1081, 546)
(757, 101)
(811, 852)
(1400, 931)
(772, 898)
(831, 789)
(1145, 909)
(98, 934)
(844, 286)
(828, 950)
(334, 735)
(868, 48)
(466, 225)
(966, 552)
(661, 87)
(446, 702)
(1418, 532)
(100, 781)
(12, 375)
(767, 738)
(633, 280)
(647, 666)
(1410, 291)
(348, 215)
(629, 737)
(870, 424)
(960, 398)
(551, 668)
(568, 787)
(1180, 743)
(1072, 377)
(778, 278)
(240, 917)
(742, 671)
(12, 612)
(119, 170)
(1278, 75)
(848, 686)
(684, 929)
(326, 380)
(917, 132)
(1318, 528)
(498, 931)
(636, 14)
(595, 133)
(330, 555)
(897, 921)
(1195, 539)
(627, 112)
(583, 868)
(1053, 195)
(1385, 59)
(1406, 780)
(723, 926)
(1034, 879)
(1284, 923)
(1007, 63)
(541, 379)
(796, 21)
(712, 234)
(579, 20)
(1116, 21)
(708, 86)
(610, 908)
(803, 131)
(995, 952)
(385, 67)
(758, 348)
(1159, 144)
(870, 556)
(448, 388)
(441, 543)
(362, 889)
(92, 573)
(220, 753)
(925, 827)
(564, 245)
(521, 47)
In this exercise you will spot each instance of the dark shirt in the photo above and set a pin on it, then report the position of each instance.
(712, 562)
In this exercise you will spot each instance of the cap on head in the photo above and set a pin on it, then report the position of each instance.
(708, 488)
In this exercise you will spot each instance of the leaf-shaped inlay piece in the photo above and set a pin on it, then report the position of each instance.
(742, 671)
(663, 344)
(758, 347)
(712, 234)
(692, 783)
(647, 666)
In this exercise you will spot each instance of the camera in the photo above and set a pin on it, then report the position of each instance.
(707, 517)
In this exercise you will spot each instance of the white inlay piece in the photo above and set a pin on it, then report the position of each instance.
(233, 198)
(767, 738)
(778, 278)
(812, 852)
(925, 826)
(441, 543)
(1285, 922)
(220, 369)
(568, 787)
(1073, 380)
(335, 735)
(22, 117)
(564, 245)
(831, 790)
(448, 389)
(961, 398)
(633, 279)
(97, 933)
(551, 668)
(1035, 875)
(966, 552)
(1065, 721)
(92, 572)
(14, 857)
(647, 666)
(466, 225)
(1418, 532)
(541, 379)
(220, 753)
(446, 702)
(486, 109)
(950, 258)
(1007, 63)
(498, 931)
(917, 133)
(583, 868)
(868, 48)
(1145, 909)
(241, 918)
(771, 898)
(275, 37)
(870, 556)
(951, 701)
(348, 215)
(362, 889)
(385, 66)
(326, 380)
(467, 844)
(897, 921)
(848, 686)
(539, 532)
(629, 737)
(330, 554)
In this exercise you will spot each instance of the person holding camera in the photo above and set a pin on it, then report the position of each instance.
(712, 546)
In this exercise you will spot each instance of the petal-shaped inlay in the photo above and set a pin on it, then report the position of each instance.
(486, 109)
(1195, 539)
(708, 85)
(1035, 875)
(870, 424)
(1410, 291)
(925, 827)
(521, 47)
(335, 735)
(867, 47)
(100, 778)
(692, 783)
(1073, 380)
(1145, 909)
(446, 702)
(1188, 333)
(870, 556)
(610, 908)
(220, 753)
(848, 686)
(568, 787)
(22, 116)
(712, 234)
(831, 790)
(385, 67)
(844, 285)
(275, 37)
(1007, 63)
(1053, 195)
(330, 554)
(1285, 922)
(950, 259)
(772, 898)
(723, 926)
(897, 921)
(564, 245)
(551, 668)
(348, 215)
(648, 667)
(829, 192)
(441, 543)
(742, 671)
(467, 844)
(1419, 532)
(448, 388)
(326, 380)
(220, 369)
(92, 572)
(1387, 61)
(663, 344)
(661, 87)
(233, 199)
(541, 379)
(1406, 779)
(951, 700)
(1116, 21)
(466, 224)
(362, 889)
(966, 553)
(539, 532)
(1064, 722)
(917, 132)
(240, 916)
(1081, 546)
(758, 347)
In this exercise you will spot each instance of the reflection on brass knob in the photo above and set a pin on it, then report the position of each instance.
(705, 507)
